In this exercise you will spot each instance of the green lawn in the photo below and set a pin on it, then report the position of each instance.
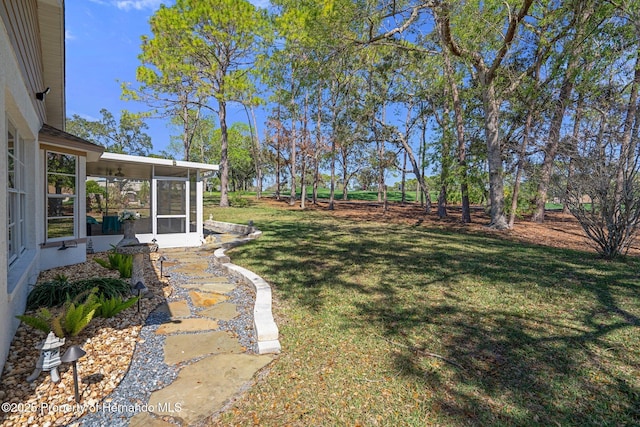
(398, 325)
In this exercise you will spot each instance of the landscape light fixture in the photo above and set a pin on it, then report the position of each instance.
(139, 286)
(65, 246)
(162, 259)
(40, 95)
(72, 355)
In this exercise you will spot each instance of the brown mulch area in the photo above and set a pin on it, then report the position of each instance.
(559, 230)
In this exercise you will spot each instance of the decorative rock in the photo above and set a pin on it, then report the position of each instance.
(206, 299)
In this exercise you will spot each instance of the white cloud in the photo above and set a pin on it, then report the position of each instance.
(68, 36)
(138, 4)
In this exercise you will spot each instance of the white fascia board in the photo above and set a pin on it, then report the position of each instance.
(158, 162)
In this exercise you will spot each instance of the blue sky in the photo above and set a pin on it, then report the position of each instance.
(102, 47)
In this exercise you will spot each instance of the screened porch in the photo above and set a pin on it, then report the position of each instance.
(167, 195)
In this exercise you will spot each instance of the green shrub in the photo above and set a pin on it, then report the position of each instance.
(72, 318)
(76, 316)
(103, 263)
(125, 266)
(41, 320)
(107, 286)
(51, 294)
(112, 306)
(236, 200)
(121, 262)
(56, 293)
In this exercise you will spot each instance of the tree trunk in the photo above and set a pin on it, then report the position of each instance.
(257, 155)
(185, 132)
(403, 182)
(292, 155)
(573, 144)
(334, 115)
(292, 166)
(425, 197)
(520, 167)
(460, 135)
(303, 182)
(494, 154)
(224, 160)
(555, 126)
(445, 161)
(552, 145)
(626, 155)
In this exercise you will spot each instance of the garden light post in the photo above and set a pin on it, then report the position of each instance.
(72, 355)
(162, 259)
(139, 286)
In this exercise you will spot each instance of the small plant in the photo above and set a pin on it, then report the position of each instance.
(108, 287)
(112, 306)
(76, 316)
(103, 263)
(121, 262)
(236, 200)
(51, 294)
(41, 320)
(55, 293)
(72, 318)
(125, 265)
(128, 216)
(61, 278)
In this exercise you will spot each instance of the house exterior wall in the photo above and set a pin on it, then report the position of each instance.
(20, 19)
(18, 107)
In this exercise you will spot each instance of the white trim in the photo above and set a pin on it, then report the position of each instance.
(158, 162)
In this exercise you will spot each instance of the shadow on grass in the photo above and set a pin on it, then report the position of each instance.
(535, 336)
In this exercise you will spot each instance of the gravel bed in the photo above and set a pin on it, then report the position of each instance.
(148, 372)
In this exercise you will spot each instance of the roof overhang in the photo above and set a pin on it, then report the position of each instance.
(58, 139)
(141, 167)
(51, 22)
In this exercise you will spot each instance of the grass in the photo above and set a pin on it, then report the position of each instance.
(398, 325)
(528, 335)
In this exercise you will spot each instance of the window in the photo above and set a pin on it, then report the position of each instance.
(61, 195)
(16, 195)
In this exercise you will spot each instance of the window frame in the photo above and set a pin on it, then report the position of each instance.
(52, 196)
(16, 195)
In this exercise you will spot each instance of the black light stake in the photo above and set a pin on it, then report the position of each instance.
(72, 355)
(162, 259)
(139, 286)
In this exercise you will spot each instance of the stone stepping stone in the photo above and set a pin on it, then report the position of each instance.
(187, 325)
(224, 311)
(183, 347)
(202, 388)
(206, 299)
(191, 268)
(179, 309)
(144, 419)
(209, 279)
(217, 288)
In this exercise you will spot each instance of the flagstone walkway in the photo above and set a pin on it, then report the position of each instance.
(208, 338)
(214, 365)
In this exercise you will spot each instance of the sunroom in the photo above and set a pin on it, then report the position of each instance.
(166, 194)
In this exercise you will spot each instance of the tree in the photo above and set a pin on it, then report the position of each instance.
(125, 136)
(487, 66)
(216, 44)
(609, 215)
(168, 83)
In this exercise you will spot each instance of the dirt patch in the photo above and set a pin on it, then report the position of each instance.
(559, 230)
